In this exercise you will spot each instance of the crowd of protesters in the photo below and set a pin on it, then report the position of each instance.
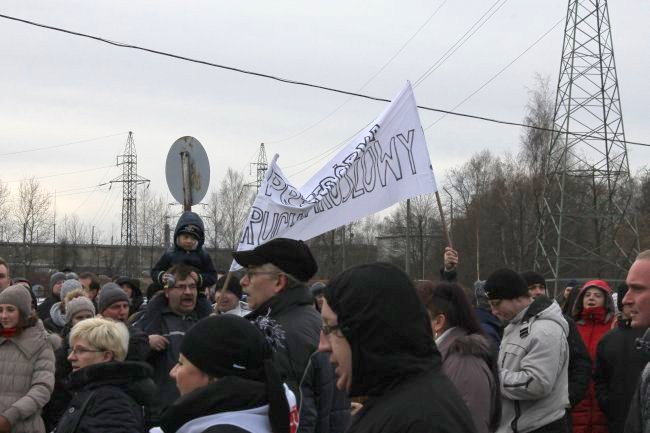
(269, 349)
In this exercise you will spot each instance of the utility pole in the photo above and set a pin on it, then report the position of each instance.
(587, 226)
(407, 267)
(130, 181)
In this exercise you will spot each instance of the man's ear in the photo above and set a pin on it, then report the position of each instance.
(280, 283)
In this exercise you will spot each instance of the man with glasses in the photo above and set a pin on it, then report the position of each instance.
(166, 320)
(275, 282)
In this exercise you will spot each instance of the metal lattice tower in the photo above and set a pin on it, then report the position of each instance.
(587, 228)
(130, 181)
(260, 169)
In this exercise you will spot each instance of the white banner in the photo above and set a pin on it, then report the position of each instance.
(385, 163)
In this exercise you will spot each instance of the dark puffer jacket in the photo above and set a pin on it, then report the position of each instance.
(618, 368)
(394, 359)
(109, 397)
(294, 310)
(324, 407)
(198, 259)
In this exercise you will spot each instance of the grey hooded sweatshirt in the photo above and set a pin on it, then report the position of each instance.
(533, 361)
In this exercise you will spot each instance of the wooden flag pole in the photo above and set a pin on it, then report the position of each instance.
(442, 220)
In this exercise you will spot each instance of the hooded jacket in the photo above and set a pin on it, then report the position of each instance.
(593, 324)
(198, 258)
(56, 320)
(618, 368)
(533, 360)
(294, 310)
(230, 401)
(466, 360)
(109, 397)
(26, 377)
(394, 359)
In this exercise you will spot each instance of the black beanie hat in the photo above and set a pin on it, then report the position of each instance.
(505, 284)
(532, 277)
(233, 285)
(229, 345)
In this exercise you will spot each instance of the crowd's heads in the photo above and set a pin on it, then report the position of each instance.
(56, 281)
(189, 233)
(182, 296)
(5, 277)
(90, 283)
(96, 341)
(317, 292)
(505, 284)
(230, 296)
(229, 347)
(18, 296)
(621, 291)
(109, 295)
(638, 294)
(448, 307)
(593, 294)
(376, 328)
(68, 286)
(288, 255)
(536, 283)
(130, 285)
(79, 309)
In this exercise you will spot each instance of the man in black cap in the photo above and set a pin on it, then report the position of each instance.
(275, 282)
(378, 334)
(533, 357)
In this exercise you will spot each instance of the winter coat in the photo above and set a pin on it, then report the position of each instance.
(593, 324)
(580, 364)
(61, 396)
(294, 311)
(56, 320)
(466, 360)
(217, 407)
(491, 326)
(26, 377)
(395, 362)
(324, 408)
(638, 418)
(198, 258)
(109, 397)
(534, 360)
(618, 368)
(45, 306)
(159, 319)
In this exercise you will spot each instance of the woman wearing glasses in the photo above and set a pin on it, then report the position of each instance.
(26, 363)
(109, 394)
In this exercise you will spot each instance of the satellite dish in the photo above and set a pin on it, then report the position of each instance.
(187, 171)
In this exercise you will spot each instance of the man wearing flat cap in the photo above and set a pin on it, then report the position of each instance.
(275, 280)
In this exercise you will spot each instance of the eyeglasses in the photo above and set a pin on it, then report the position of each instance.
(184, 287)
(251, 274)
(331, 329)
(81, 350)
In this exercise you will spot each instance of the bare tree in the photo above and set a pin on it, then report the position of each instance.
(74, 230)
(6, 228)
(32, 215)
(234, 198)
(212, 220)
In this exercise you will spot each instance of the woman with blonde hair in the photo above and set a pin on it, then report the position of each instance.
(109, 393)
(26, 363)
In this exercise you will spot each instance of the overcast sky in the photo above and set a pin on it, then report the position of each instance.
(58, 88)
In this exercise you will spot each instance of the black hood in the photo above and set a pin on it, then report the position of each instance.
(134, 378)
(386, 325)
(191, 218)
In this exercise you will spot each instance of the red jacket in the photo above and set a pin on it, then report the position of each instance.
(593, 324)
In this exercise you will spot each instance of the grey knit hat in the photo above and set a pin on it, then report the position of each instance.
(76, 305)
(68, 286)
(17, 295)
(110, 294)
(55, 278)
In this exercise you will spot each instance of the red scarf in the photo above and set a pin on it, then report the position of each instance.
(8, 332)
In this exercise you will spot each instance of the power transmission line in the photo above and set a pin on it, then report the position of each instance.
(18, 152)
(294, 82)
